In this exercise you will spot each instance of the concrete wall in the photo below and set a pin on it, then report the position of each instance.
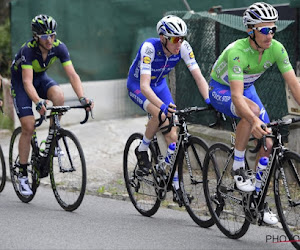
(110, 97)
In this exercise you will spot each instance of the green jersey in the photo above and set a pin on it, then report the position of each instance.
(239, 61)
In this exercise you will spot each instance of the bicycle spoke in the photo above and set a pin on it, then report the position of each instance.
(141, 190)
(68, 172)
(223, 200)
(287, 195)
(191, 180)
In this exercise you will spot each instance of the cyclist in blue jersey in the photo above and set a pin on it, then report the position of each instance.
(30, 83)
(147, 85)
(232, 90)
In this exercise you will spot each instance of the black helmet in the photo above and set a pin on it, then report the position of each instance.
(43, 24)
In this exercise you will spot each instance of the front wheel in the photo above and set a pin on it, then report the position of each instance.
(223, 199)
(2, 170)
(141, 189)
(190, 167)
(67, 170)
(14, 170)
(287, 195)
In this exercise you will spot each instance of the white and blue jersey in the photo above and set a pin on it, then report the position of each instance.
(151, 60)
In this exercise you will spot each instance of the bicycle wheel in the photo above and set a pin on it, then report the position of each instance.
(68, 170)
(190, 167)
(223, 200)
(2, 170)
(14, 170)
(287, 195)
(141, 190)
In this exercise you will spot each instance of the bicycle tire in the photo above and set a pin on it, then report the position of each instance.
(190, 167)
(14, 171)
(68, 170)
(288, 208)
(2, 170)
(142, 195)
(228, 213)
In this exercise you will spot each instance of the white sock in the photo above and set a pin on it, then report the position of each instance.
(145, 144)
(239, 159)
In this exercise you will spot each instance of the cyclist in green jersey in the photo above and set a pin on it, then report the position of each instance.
(233, 93)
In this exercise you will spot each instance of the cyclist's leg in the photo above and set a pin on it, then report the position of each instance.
(269, 217)
(138, 98)
(23, 107)
(220, 96)
(263, 115)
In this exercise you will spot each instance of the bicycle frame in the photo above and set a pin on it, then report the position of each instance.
(253, 203)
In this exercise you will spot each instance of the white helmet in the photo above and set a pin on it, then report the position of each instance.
(171, 26)
(260, 13)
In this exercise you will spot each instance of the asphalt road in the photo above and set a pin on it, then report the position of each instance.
(103, 223)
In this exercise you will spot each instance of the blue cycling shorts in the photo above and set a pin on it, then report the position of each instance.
(220, 99)
(162, 91)
(22, 102)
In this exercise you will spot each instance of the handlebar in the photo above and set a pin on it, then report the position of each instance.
(63, 109)
(274, 124)
(189, 110)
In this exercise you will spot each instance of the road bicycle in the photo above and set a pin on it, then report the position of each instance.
(148, 191)
(2, 165)
(61, 156)
(233, 210)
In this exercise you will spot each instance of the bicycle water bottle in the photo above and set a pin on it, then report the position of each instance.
(262, 164)
(170, 152)
(176, 181)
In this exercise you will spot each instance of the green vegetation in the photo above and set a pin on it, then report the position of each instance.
(5, 49)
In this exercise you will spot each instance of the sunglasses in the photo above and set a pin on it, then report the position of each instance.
(266, 30)
(175, 39)
(47, 36)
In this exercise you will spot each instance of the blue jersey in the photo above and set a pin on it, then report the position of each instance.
(152, 60)
(30, 56)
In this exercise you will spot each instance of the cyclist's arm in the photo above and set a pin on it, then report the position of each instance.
(201, 82)
(74, 80)
(293, 84)
(27, 76)
(243, 110)
(187, 55)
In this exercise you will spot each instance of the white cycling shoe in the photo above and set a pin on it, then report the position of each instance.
(242, 180)
(24, 186)
(269, 217)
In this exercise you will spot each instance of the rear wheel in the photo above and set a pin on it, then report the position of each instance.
(190, 166)
(14, 170)
(287, 195)
(2, 170)
(223, 199)
(141, 189)
(68, 170)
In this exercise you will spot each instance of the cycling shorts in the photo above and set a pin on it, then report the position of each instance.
(162, 91)
(22, 102)
(220, 99)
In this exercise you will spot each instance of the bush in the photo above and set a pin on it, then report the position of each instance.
(5, 49)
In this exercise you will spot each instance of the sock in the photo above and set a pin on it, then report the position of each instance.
(23, 169)
(145, 144)
(239, 159)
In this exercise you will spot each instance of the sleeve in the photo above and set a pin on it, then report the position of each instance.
(147, 57)
(26, 58)
(188, 56)
(63, 54)
(237, 61)
(282, 58)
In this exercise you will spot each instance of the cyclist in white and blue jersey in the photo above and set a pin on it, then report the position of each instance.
(30, 83)
(147, 85)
